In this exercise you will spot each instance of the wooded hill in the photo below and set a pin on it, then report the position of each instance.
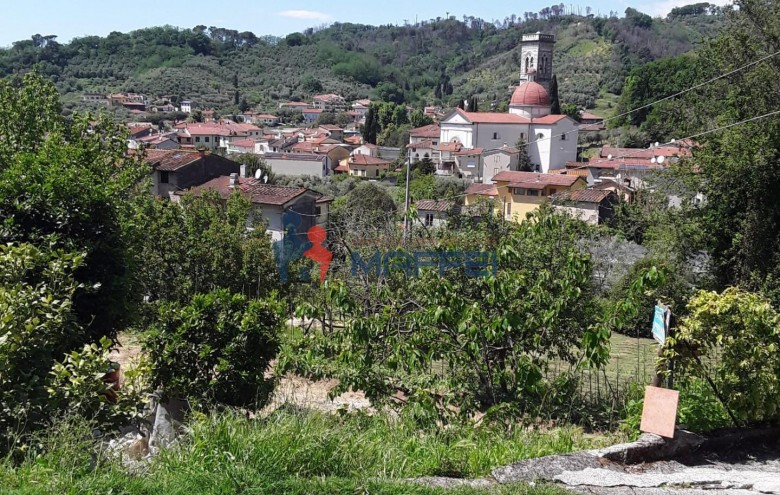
(440, 61)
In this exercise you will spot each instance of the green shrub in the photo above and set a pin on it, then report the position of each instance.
(215, 349)
(732, 337)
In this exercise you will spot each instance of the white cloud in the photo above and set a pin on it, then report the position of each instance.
(660, 9)
(308, 15)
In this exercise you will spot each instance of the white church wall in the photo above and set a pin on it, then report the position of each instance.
(462, 133)
(492, 136)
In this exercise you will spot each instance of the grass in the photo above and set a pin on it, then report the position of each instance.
(292, 452)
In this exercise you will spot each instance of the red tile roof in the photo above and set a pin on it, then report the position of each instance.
(493, 118)
(257, 191)
(423, 145)
(528, 179)
(360, 159)
(548, 119)
(171, 160)
(583, 195)
(433, 205)
(469, 151)
(428, 131)
(665, 151)
(482, 189)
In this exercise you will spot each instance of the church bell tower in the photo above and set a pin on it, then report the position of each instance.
(537, 58)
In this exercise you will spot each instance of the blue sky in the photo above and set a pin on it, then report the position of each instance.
(71, 18)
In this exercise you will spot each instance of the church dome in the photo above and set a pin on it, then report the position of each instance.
(530, 93)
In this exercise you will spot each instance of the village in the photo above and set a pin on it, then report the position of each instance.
(481, 148)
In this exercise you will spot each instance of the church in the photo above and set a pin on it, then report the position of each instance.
(551, 139)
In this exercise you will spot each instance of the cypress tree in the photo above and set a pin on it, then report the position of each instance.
(555, 102)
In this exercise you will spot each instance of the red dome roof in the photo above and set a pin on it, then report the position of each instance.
(530, 93)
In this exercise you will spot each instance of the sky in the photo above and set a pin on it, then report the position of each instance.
(73, 18)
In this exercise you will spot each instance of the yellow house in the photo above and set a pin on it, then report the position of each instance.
(518, 193)
(365, 166)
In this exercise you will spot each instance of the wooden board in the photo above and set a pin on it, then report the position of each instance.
(659, 414)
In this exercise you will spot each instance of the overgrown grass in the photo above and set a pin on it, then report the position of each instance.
(291, 452)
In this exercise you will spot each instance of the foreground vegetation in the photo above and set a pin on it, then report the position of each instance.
(290, 452)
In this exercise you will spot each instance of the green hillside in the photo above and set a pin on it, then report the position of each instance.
(439, 61)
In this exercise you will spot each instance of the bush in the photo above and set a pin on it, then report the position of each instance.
(37, 326)
(733, 338)
(216, 349)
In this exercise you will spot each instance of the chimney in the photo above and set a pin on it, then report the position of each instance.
(242, 170)
(233, 180)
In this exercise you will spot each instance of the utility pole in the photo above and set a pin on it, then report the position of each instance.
(406, 200)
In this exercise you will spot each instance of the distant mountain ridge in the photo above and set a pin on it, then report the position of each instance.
(435, 62)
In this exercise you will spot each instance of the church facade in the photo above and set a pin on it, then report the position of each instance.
(551, 140)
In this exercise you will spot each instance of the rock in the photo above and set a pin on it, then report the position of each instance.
(443, 482)
(545, 468)
(651, 448)
(167, 423)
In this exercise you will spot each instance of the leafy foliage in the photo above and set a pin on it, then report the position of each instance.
(739, 333)
(216, 349)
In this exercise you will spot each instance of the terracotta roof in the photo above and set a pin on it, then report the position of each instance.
(493, 118)
(482, 189)
(296, 156)
(469, 151)
(423, 145)
(257, 191)
(428, 131)
(548, 119)
(530, 93)
(266, 116)
(590, 116)
(171, 160)
(433, 205)
(665, 151)
(329, 127)
(244, 143)
(528, 179)
(360, 159)
(312, 110)
(353, 139)
(583, 195)
(451, 147)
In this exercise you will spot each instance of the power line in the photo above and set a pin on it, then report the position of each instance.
(665, 98)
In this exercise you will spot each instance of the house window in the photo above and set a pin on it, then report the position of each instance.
(563, 137)
(206, 139)
(508, 209)
(517, 191)
(376, 173)
(318, 210)
(522, 135)
(553, 191)
(532, 192)
(428, 219)
(540, 136)
(163, 177)
(496, 135)
(197, 139)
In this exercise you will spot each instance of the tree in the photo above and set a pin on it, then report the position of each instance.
(555, 102)
(523, 160)
(743, 223)
(295, 39)
(197, 246)
(419, 119)
(244, 105)
(216, 349)
(371, 128)
(64, 186)
(571, 110)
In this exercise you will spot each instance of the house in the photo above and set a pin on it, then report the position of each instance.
(592, 206)
(432, 213)
(96, 98)
(213, 135)
(176, 170)
(318, 165)
(131, 101)
(367, 149)
(552, 139)
(367, 166)
(296, 106)
(425, 133)
(329, 103)
(332, 131)
(270, 202)
(360, 107)
(498, 160)
(186, 106)
(155, 142)
(590, 122)
(311, 114)
(518, 193)
(164, 108)
(260, 118)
